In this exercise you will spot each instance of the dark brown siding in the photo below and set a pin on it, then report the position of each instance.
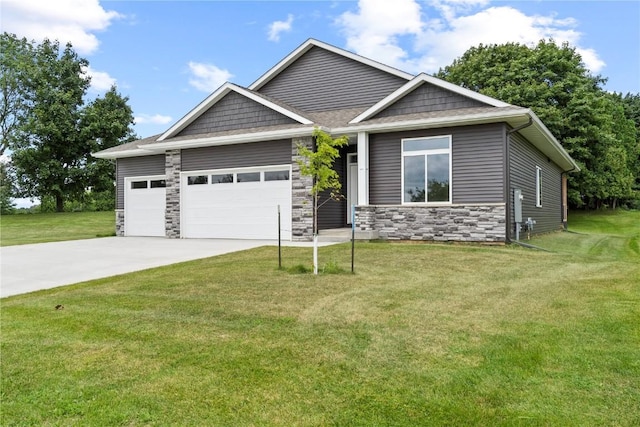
(234, 111)
(237, 155)
(427, 98)
(477, 161)
(524, 158)
(321, 80)
(136, 166)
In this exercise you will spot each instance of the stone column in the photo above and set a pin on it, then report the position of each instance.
(302, 203)
(120, 222)
(173, 167)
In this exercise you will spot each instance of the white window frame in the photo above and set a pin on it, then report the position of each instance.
(425, 153)
(538, 187)
(236, 171)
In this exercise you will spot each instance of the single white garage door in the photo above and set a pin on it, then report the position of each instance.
(236, 204)
(144, 206)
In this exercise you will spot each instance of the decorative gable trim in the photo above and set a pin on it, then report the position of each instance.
(414, 84)
(302, 49)
(217, 96)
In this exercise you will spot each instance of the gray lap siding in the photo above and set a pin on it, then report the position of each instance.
(523, 159)
(477, 164)
(237, 156)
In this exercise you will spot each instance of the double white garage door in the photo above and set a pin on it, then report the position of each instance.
(220, 204)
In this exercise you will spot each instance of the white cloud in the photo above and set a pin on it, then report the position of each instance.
(100, 80)
(72, 21)
(156, 119)
(207, 77)
(379, 28)
(278, 27)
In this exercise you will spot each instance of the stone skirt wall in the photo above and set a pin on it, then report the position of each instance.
(462, 223)
(120, 222)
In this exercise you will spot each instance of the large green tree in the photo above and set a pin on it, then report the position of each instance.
(553, 81)
(52, 142)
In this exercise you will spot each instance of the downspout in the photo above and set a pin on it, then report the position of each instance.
(508, 176)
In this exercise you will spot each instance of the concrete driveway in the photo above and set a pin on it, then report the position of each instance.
(28, 268)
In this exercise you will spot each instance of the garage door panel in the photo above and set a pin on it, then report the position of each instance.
(144, 209)
(246, 210)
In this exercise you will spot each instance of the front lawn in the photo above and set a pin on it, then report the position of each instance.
(420, 335)
(20, 229)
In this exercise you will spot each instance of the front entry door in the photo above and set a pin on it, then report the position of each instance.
(352, 184)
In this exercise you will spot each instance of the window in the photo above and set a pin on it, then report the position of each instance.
(158, 183)
(426, 170)
(276, 175)
(538, 186)
(197, 180)
(135, 185)
(248, 177)
(224, 178)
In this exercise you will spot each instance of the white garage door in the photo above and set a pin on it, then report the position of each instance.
(236, 204)
(144, 206)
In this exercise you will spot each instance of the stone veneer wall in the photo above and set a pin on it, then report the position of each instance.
(464, 223)
(301, 202)
(173, 167)
(120, 222)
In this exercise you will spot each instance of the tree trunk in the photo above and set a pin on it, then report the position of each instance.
(59, 203)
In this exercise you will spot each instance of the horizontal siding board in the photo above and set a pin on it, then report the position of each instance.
(428, 98)
(321, 80)
(237, 155)
(524, 158)
(477, 161)
(136, 166)
(232, 112)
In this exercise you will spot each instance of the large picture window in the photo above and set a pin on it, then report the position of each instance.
(426, 170)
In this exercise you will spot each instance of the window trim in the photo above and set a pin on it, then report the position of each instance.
(538, 187)
(425, 153)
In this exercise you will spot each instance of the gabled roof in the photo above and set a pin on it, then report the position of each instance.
(217, 96)
(417, 82)
(303, 48)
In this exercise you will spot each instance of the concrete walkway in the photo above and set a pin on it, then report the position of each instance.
(28, 268)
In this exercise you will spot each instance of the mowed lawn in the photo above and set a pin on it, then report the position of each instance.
(422, 334)
(21, 229)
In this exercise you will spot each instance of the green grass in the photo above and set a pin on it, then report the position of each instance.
(21, 229)
(420, 335)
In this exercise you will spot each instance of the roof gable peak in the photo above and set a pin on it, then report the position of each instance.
(310, 43)
(417, 81)
(220, 93)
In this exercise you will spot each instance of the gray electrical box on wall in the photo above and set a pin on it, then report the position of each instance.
(517, 205)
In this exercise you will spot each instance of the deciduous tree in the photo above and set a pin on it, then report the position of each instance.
(553, 81)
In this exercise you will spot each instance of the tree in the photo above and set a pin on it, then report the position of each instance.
(52, 145)
(6, 204)
(318, 164)
(553, 81)
(15, 65)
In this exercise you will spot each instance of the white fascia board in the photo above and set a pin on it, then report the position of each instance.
(303, 48)
(486, 117)
(413, 84)
(200, 108)
(136, 152)
(230, 139)
(271, 105)
(217, 96)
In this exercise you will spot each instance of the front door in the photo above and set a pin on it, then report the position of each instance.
(352, 184)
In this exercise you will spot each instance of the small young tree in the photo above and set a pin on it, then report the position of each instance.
(318, 164)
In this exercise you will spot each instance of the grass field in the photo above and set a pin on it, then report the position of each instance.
(420, 335)
(21, 229)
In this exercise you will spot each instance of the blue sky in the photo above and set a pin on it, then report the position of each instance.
(167, 56)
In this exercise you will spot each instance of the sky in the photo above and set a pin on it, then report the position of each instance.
(167, 56)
